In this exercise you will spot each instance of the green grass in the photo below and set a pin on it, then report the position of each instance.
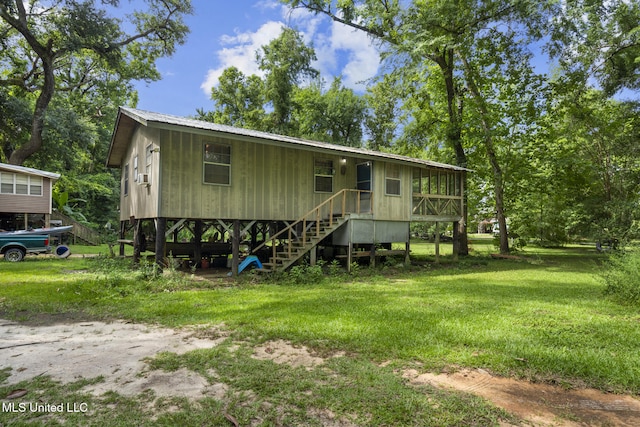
(542, 316)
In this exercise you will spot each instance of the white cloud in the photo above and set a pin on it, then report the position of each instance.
(340, 49)
(239, 50)
(362, 57)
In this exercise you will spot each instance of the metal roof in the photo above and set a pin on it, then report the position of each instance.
(28, 171)
(128, 117)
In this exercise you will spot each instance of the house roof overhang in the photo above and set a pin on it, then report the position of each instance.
(129, 118)
(5, 167)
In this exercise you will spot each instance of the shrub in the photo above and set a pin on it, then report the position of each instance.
(622, 278)
(306, 274)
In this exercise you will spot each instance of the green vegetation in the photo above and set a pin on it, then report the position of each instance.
(543, 315)
(622, 278)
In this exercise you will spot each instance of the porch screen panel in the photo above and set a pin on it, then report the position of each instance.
(417, 182)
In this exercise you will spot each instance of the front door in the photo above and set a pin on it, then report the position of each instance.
(363, 176)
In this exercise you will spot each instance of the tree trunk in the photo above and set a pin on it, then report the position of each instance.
(42, 103)
(454, 136)
(498, 184)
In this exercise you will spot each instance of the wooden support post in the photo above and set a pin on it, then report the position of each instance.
(372, 255)
(197, 239)
(47, 220)
(254, 234)
(349, 256)
(437, 242)
(407, 251)
(313, 255)
(137, 240)
(456, 240)
(161, 226)
(235, 248)
(123, 230)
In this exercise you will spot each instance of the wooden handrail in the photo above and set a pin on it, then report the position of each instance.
(303, 219)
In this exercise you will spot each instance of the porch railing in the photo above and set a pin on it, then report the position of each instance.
(436, 205)
(324, 215)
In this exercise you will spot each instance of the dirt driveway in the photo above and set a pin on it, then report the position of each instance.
(71, 350)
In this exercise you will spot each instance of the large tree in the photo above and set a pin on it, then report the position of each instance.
(286, 62)
(75, 46)
(600, 39)
(290, 99)
(335, 115)
(458, 37)
(239, 100)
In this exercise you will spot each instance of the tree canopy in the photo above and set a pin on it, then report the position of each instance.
(290, 99)
(554, 151)
(77, 49)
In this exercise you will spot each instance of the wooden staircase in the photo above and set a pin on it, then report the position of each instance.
(304, 234)
(80, 231)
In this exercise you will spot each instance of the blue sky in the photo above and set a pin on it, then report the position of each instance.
(226, 33)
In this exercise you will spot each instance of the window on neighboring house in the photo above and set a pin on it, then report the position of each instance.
(125, 184)
(392, 180)
(323, 175)
(22, 184)
(6, 183)
(11, 183)
(217, 164)
(35, 185)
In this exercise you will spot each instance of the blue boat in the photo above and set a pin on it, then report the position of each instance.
(51, 231)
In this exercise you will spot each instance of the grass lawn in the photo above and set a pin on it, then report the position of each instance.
(541, 316)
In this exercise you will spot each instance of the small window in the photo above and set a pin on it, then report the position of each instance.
(22, 184)
(35, 186)
(323, 175)
(135, 169)
(125, 183)
(148, 160)
(392, 180)
(217, 164)
(6, 183)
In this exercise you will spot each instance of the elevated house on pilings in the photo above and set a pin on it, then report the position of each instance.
(25, 197)
(201, 190)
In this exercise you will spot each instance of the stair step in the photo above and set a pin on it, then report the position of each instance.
(316, 232)
(271, 264)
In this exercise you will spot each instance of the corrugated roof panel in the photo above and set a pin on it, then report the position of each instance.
(146, 117)
(28, 171)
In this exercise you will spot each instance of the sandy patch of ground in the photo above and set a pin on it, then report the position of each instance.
(282, 352)
(74, 349)
(539, 404)
(70, 351)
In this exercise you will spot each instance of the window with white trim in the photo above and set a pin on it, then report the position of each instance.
(392, 180)
(323, 175)
(148, 160)
(125, 180)
(6, 182)
(217, 164)
(35, 185)
(12, 183)
(135, 169)
(22, 184)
